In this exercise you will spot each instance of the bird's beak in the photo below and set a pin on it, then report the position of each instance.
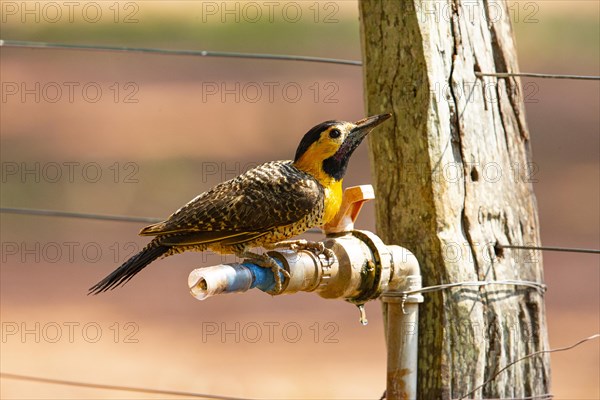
(366, 125)
(359, 132)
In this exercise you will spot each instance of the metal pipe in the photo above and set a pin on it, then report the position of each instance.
(362, 268)
(402, 329)
(230, 278)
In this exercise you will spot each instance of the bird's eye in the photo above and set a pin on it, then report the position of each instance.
(334, 133)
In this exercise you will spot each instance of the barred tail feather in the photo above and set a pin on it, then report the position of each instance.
(130, 268)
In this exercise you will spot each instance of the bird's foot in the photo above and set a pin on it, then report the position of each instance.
(301, 244)
(263, 260)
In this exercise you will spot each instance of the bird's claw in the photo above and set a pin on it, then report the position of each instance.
(278, 281)
(317, 247)
(277, 270)
(328, 253)
(265, 261)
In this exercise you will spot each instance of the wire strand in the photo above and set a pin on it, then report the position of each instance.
(536, 353)
(197, 53)
(538, 75)
(69, 214)
(550, 248)
(6, 375)
(152, 220)
(255, 56)
(541, 287)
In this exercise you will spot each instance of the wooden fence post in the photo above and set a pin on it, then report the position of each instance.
(453, 179)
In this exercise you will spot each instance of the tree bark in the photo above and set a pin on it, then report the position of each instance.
(453, 181)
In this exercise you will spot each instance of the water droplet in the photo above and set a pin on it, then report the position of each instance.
(363, 314)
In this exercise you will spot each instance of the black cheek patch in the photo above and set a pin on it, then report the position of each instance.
(336, 168)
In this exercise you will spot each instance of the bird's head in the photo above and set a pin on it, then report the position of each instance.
(324, 151)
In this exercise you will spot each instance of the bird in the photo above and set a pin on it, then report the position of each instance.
(263, 207)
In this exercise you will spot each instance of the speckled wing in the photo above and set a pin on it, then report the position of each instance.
(271, 195)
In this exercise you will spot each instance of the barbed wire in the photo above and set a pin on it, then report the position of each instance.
(537, 75)
(152, 220)
(197, 53)
(69, 214)
(550, 248)
(541, 287)
(254, 56)
(29, 378)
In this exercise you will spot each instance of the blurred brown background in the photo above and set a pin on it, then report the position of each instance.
(138, 134)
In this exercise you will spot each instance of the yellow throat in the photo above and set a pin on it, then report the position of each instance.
(311, 163)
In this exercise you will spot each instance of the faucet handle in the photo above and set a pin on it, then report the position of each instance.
(352, 201)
